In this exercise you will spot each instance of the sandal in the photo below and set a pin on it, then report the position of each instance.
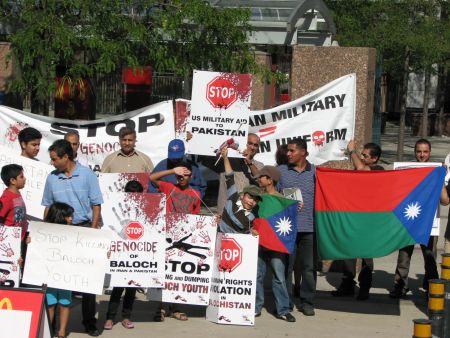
(179, 315)
(160, 316)
(108, 325)
(128, 324)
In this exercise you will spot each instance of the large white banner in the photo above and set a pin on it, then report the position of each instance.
(9, 255)
(137, 221)
(408, 165)
(189, 259)
(233, 285)
(325, 119)
(35, 173)
(219, 112)
(67, 257)
(98, 138)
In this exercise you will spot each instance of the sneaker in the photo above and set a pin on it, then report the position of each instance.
(287, 317)
(398, 292)
(344, 290)
(307, 310)
(258, 314)
(363, 294)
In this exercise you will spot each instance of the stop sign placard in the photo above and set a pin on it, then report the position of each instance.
(230, 254)
(134, 230)
(221, 93)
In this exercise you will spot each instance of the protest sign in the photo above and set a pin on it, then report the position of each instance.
(35, 173)
(233, 285)
(115, 182)
(23, 313)
(67, 257)
(407, 165)
(325, 119)
(219, 112)
(137, 222)
(10, 238)
(189, 259)
(98, 138)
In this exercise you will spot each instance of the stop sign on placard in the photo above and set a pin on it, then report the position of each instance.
(221, 93)
(230, 254)
(134, 230)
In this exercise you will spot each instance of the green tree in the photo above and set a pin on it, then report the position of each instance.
(85, 37)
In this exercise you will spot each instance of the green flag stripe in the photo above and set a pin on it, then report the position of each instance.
(344, 235)
(271, 205)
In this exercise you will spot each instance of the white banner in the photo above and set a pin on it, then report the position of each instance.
(189, 259)
(324, 118)
(219, 112)
(137, 221)
(67, 257)
(15, 323)
(9, 255)
(35, 173)
(98, 138)
(408, 165)
(233, 285)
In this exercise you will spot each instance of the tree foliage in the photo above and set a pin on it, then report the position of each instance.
(84, 37)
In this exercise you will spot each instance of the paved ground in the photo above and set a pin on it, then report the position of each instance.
(379, 316)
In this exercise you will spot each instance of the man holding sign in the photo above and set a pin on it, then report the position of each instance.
(77, 186)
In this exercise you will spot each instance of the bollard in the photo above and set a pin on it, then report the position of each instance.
(436, 297)
(445, 274)
(422, 328)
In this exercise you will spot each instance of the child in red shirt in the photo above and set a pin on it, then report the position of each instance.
(180, 197)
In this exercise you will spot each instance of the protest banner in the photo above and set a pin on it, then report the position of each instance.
(67, 257)
(189, 259)
(115, 182)
(182, 112)
(325, 119)
(98, 138)
(23, 313)
(10, 238)
(233, 285)
(407, 165)
(219, 112)
(136, 221)
(35, 173)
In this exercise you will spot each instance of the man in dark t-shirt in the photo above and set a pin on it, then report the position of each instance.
(367, 160)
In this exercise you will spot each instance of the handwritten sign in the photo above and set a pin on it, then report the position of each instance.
(67, 257)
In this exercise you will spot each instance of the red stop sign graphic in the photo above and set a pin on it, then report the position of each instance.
(221, 93)
(230, 254)
(134, 230)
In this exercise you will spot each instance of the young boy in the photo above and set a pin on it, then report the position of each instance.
(268, 178)
(238, 214)
(30, 142)
(13, 212)
(180, 196)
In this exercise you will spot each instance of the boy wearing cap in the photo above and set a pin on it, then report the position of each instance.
(268, 178)
(238, 214)
(176, 155)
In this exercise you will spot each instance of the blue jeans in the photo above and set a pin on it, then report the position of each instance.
(277, 262)
(303, 262)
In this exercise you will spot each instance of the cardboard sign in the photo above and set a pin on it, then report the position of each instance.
(67, 257)
(219, 113)
(233, 285)
(23, 313)
(408, 165)
(136, 221)
(9, 256)
(189, 259)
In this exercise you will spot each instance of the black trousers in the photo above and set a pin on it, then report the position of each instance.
(114, 301)
(365, 275)
(88, 310)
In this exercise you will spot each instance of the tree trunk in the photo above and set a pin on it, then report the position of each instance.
(440, 99)
(426, 94)
(404, 91)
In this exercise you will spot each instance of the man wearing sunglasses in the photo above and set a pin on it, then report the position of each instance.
(366, 160)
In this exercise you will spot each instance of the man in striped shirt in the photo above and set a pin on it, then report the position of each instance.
(300, 174)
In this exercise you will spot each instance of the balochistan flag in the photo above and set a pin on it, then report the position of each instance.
(277, 225)
(373, 213)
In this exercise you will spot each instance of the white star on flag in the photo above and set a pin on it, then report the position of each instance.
(284, 226)
(412, 210)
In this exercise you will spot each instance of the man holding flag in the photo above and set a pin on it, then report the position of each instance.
(277, 233)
